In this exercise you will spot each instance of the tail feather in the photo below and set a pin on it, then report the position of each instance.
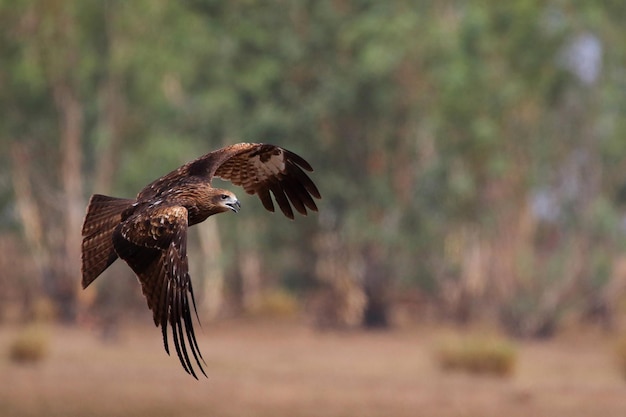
(103, 215)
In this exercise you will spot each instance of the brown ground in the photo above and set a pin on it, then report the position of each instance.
(289, 370)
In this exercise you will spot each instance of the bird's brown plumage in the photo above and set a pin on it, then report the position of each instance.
(150, 232)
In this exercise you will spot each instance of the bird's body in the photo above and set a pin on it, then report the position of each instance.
(150, 232)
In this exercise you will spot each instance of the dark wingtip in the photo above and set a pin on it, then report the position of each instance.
(299, 160)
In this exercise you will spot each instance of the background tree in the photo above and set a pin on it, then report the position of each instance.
(471, 154)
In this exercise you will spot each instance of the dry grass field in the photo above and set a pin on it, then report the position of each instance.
(264, 369)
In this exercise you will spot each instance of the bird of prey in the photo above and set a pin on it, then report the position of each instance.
(150, 231)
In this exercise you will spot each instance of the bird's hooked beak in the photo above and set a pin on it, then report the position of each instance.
(234, 205)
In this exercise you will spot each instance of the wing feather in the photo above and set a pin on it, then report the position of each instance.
(254, 166)
(195, 349)
(177, 331)
(153, 242)
(162, 315)
(293, 194)
(266, 199)
(301, 177)
(298, 160)
(264, 170)
(281, 198)
(302, 193)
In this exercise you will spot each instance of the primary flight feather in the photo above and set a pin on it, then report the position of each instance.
(150, 232)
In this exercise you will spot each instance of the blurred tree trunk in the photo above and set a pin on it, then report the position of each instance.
(212, 272)
(71, 130)
(248, 281)
(341, 301)
(31, 219)
(377, 283)
(251, 281)
(58, 42)
(113, 112)
(113, 105)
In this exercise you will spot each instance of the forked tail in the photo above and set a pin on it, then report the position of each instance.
(103, 215)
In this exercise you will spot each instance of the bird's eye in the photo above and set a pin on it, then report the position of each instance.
(224, 196)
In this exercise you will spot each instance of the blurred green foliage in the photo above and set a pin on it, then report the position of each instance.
(423, 120)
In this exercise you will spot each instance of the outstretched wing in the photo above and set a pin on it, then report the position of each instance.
(153, 241)
(263, 169)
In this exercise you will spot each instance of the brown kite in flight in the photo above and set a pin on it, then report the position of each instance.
(150, 232)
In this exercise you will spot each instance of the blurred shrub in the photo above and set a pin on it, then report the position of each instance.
(276, 303)
(30, 345)
(477, 355)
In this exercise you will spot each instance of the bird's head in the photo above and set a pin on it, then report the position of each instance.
(224, 200)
